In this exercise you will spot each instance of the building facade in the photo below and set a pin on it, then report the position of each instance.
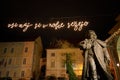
(20, 60)
(56, 61)
(114, 48)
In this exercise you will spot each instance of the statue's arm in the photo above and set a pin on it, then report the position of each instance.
(83, 44)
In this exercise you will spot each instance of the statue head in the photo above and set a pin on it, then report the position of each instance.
(92, 34)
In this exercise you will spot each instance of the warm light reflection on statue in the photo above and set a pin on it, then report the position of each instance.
(97, 59)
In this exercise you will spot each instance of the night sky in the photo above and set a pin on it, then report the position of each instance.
(100, 14)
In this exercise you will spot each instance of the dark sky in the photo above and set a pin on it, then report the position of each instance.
(100, 13)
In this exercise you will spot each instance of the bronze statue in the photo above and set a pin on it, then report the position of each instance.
(96, 58)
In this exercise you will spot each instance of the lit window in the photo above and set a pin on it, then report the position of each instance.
(10, 61)
(22, 73)
(7, 73)
(52, 54)
(24, 61)
(12, 50)
(5, 50)
(26, 49)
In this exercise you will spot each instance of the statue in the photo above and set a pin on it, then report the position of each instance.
(96, 59)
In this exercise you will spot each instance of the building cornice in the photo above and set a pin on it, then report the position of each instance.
(113, 35)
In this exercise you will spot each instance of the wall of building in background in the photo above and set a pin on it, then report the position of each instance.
(114, 49)
(20, 59)
(56, 61)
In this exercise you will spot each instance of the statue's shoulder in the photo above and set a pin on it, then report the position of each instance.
(102, 43)
(98, 40)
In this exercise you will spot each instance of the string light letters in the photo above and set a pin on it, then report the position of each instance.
(77, 26)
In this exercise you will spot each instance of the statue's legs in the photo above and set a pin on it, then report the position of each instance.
(93, 68)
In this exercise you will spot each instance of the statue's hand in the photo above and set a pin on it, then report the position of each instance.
(83, 44)
(86, 44)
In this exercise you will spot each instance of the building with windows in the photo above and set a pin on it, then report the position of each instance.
(56, 59)
(20, 59)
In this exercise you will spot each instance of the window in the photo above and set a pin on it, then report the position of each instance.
(53, 63)
(1, 61)
(52, 54)
(7, 73)
(44, 60)
(63, 63)
(22, 73)
(24, 61)
(26, 49)
(5, 50)
(0, 73)
(14, 74)
(10, 61)
(12, 50)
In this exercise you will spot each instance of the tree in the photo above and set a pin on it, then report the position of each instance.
(70, 70)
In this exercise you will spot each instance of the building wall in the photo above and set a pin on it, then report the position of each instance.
(113, 47)
(56, 61)
(16, 59)
(37, 55)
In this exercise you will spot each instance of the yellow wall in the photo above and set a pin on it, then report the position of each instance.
(58, 70)
(16, 66)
